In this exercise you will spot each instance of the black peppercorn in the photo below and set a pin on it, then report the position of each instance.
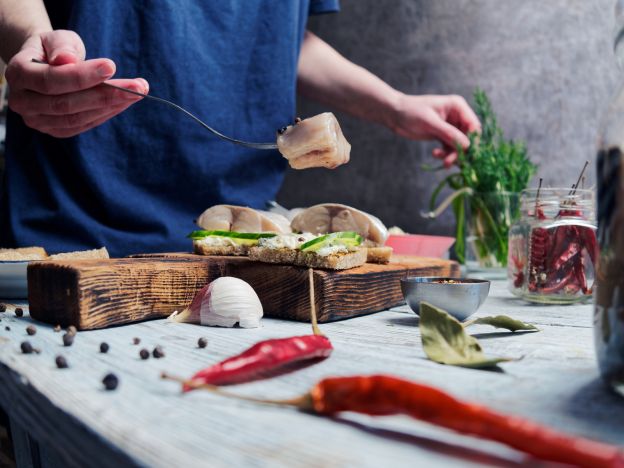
(202, 342)
(136, 341)
(57, 328)
(7, 328)
(31, 330)
(144, 353)
(72, 330)
(26, 347)
(68, 339)
(2, 307)
(104, 347)
(281, 130)
(19, 312)
(158, 352)
(110, 381)
(61, 362)
(297, 120)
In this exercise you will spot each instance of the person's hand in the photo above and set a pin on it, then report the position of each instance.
(63, 98)
(447, 119)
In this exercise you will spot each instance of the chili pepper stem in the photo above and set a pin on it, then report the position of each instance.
(303, 402)
(575, 186)
(537, 195)
(315, 329)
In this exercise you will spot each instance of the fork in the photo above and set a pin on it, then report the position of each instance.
(248, 144)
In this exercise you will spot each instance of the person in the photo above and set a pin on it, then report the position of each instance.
(88, 166)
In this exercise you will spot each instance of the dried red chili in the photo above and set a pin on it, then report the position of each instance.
(265, 359)
(381, 395)
(268, 358)
(558, 257)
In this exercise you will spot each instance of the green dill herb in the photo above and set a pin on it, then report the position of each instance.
(490, 169)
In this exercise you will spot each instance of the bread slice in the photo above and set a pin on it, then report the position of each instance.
(203, 249)
(23, 254)
(337, 261)
(378, 255)
(81, 255)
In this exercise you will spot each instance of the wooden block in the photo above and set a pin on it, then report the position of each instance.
(284, 290)
(100, 293)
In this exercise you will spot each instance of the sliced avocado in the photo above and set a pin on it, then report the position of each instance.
(346, 238)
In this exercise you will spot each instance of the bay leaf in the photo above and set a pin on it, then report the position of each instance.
(502, 321)
(445, 341)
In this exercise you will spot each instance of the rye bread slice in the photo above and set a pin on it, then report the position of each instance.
(81, 255)
(338, 261)
(378, 255)
(203, 249)
(23, 254)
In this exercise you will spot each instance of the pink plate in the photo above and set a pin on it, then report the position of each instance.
(420, 245)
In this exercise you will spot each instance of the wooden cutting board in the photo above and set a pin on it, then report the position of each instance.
(100, 293)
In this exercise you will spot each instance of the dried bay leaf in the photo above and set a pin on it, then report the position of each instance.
(502, 321)
(445, 341)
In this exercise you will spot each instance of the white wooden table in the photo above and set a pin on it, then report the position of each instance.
(66, 418)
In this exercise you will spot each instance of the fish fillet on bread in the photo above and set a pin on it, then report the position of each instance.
(335, 217)
(336, 251)
(232, 230)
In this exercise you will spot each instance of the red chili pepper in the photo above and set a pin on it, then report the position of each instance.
(268, 358)
(573, 249)
(557, 284)
(581, 278)
(380, 395)
(570, 214)
(519, 273)
(265, 359)
(561, 239)
(540, 246)
(588, 236)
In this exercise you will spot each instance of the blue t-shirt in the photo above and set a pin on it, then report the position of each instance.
(136, 183)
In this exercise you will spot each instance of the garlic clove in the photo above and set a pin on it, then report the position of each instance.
(224, 302)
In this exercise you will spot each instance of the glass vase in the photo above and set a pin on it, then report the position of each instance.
(488, 218)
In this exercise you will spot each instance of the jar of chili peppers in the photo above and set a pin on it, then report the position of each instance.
(553, 248)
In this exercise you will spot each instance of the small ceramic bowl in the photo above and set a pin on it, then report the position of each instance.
(460, 297)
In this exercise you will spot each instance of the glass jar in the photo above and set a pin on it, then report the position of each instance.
(518, 244)
(553, 247)
(609, 302)
(488, 218)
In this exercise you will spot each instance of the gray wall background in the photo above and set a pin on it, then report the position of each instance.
(547, 66)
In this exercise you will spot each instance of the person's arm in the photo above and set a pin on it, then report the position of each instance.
(20, 19)
(61, 98)
(326, 76)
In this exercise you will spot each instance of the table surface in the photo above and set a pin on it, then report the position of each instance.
(147, 422)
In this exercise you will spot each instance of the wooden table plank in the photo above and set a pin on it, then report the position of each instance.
(149, 423)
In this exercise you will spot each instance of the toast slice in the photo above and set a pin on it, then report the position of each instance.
(202, 248)
(378, 255)
(81, 255)
(336, 261)
(23, 254)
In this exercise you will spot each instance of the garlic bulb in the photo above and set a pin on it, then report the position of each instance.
(224, 302)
